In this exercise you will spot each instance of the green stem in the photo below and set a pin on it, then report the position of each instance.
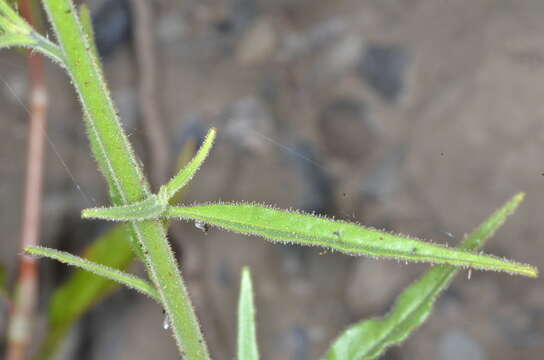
(118, 163)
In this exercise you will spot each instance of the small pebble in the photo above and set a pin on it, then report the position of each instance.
(383, 67)
(112, 26)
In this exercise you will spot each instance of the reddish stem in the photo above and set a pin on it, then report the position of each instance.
(22, 312)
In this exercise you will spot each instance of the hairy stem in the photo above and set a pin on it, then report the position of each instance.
(117, 161)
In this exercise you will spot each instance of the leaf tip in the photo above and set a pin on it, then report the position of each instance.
(246, 276)
(86, 213)
(518, 198)
(531, 271)
(31, 250)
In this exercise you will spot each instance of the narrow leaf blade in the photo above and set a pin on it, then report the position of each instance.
(126, 279)
(7, 11)
(247, 334)
(291, 227)
(84, 289)
(150, 208)
(187, 173)
(369, 339)
(34, 42)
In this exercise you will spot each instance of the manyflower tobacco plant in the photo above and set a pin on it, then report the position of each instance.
(145, 214)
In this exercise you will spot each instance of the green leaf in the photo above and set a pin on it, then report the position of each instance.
(16, 32)
(369, 339)
(150, 208)
(247, 334)
(186, 153)
(121, 277)
(155, 205)
(83, 289)
(187, 173)
(12, 17)
(9, 40)
(33, 42)
(67, 305)
(291, 227)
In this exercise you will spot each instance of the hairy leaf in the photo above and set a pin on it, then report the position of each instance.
(16, 32)
(84, 289)
(292, 227)
(369, 339)
(186, 153)
(10, 20)
(187, 173)
(121, 277)
(247, 334)
(150, 208)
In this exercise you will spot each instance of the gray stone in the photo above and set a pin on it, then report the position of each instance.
(455, 345)
(383, 67)
(345, 131)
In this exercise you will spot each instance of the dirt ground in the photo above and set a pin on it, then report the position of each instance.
(419, 116)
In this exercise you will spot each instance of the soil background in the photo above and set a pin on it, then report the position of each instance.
(420, 117)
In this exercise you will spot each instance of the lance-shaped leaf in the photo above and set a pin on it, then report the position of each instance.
(83, 289)
(35, 42)
(247, 334)
(73, 298)
(187, 173)
(297, 228)
(121, 277)
(15, 31)
(150, 208)
(369, 339)
(186, 153)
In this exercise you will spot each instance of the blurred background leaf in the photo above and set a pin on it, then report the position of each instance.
(247, 334)
(370, 338)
